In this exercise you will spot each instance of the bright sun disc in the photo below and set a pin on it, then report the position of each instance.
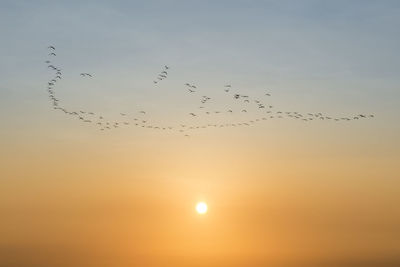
(201, 208)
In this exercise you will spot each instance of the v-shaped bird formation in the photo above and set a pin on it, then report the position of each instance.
(266, 111)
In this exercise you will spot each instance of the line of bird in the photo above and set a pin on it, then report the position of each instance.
(270, 111)
(162, 75)
(267, 111)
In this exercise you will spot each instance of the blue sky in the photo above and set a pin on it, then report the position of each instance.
(337, 54)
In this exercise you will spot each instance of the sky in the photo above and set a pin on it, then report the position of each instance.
(279, 192)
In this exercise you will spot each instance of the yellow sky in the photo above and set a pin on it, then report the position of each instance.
(107, 200)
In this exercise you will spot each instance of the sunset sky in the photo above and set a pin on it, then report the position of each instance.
(279, 192)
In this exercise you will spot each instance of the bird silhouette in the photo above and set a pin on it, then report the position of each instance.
(102, 125)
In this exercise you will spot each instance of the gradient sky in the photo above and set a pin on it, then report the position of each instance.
(280, 193)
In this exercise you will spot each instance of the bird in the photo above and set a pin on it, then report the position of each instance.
(51, 47)
(56, 104)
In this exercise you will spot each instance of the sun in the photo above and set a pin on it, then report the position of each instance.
(201, 207)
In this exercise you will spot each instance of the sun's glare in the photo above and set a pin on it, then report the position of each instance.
(201, 207)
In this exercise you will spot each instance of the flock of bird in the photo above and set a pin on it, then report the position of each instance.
(162, 75)
(245, 103)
